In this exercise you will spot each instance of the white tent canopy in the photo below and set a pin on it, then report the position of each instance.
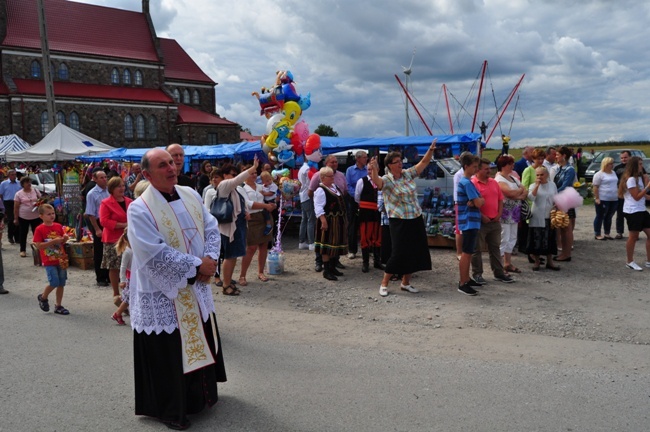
(11, 143)
(62, 143)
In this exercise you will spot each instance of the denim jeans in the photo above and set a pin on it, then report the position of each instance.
(604, 214)
(307, 223)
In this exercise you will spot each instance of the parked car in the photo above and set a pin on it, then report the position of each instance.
(594, 166)
(584, 163)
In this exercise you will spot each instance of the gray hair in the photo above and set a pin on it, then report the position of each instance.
(325, 171)
(360, 153)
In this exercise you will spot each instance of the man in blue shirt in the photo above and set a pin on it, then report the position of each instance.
(8, 189)
(352, 175)
(93, 201)
(525, 161)
(469, 220)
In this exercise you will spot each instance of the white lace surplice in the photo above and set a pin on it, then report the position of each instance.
(158, 271)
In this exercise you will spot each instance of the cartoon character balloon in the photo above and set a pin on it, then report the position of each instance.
(289, 187)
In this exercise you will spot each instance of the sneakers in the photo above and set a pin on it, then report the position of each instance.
(467, 289)
(311, 247)
(410, 288)
(471, 282)
(352, 255)
(43, 303)
(479, 280)
(634, 266)
(383, 291)
(303, 246)
(504, 278)
(118, 319)
(647, 264)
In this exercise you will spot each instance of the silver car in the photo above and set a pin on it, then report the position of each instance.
(594, 166)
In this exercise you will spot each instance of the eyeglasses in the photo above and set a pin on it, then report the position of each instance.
(395, 162)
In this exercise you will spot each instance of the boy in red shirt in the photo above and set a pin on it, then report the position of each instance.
(49, 239)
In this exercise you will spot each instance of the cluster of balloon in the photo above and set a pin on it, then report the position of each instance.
(286, 135)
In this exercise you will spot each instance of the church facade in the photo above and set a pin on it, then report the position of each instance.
(114, 79)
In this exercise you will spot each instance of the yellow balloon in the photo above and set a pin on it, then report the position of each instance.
(292, 112)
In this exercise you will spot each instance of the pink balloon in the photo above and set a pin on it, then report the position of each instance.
(302, 130)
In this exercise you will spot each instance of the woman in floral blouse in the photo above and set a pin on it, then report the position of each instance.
(514, 193)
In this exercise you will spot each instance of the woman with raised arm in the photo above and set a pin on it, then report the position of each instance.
(410, 250)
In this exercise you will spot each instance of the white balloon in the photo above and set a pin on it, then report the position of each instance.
(273, 121)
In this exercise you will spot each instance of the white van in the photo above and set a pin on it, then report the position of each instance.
(44, 181)
(438, 175)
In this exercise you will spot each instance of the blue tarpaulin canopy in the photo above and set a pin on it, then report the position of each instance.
(248, 149)
(458, 143)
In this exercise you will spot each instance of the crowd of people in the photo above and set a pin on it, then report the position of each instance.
(160, 246)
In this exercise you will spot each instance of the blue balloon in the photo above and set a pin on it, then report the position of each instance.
(305, 102)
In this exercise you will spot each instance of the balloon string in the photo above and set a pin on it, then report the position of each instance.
(277, 248)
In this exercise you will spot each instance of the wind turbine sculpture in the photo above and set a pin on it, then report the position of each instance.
(407, 79)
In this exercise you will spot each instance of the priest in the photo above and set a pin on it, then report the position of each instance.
(177, 350)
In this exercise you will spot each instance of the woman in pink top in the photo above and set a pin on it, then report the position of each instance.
(112, 216)
(26, 212)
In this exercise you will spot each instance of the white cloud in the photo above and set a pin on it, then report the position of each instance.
(586, 66)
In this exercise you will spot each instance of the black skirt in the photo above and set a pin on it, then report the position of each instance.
(542, 240)
(161, 389)
(410, 249)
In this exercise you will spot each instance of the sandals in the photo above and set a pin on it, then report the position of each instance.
(61, 310)
(242, 281)
(262, 277)
(599, 238)
(230, 290)
(511, 268)
(44, 304)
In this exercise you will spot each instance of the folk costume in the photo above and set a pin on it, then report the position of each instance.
(365, 194)
(333, 241)
(177, 350)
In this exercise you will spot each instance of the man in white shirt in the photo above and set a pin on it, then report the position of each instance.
(550, 163)
(308, 221)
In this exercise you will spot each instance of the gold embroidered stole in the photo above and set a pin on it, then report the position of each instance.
(196, 351)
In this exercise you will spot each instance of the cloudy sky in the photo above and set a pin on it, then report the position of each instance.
(587, 73)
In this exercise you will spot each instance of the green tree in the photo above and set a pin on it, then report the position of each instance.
(326, 130)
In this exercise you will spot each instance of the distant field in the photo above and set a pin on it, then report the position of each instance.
(491, 154)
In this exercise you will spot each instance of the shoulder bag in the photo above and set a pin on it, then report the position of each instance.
(222, 209)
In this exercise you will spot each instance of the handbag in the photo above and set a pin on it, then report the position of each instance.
(526, 210)
(222, 209)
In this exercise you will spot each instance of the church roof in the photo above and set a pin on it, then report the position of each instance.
(81, 29)
(190, 115)
(179, 65)
(93, 91)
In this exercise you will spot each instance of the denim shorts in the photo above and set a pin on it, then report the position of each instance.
(56, 276)
(470, 238)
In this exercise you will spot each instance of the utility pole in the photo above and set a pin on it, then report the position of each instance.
(47, 72)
